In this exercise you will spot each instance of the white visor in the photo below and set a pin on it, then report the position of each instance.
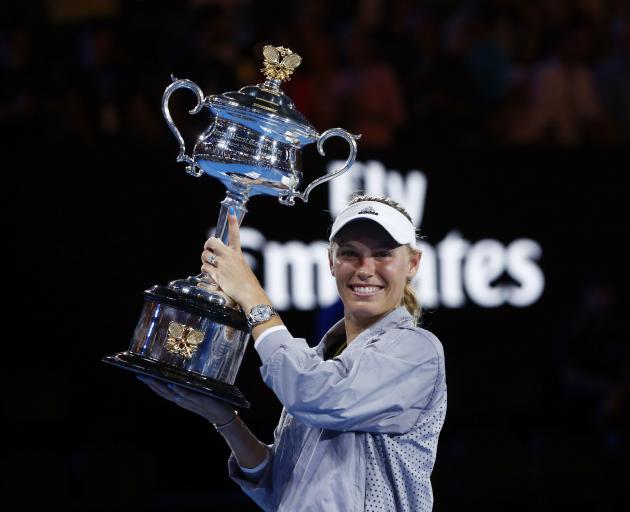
(394, 222)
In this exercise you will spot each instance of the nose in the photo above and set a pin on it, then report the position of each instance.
(365, 268)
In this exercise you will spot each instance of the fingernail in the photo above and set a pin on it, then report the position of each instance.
(232, 212)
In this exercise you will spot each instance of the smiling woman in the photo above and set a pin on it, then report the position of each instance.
(373, 258)
(363, 410)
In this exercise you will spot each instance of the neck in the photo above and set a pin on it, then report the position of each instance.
(355, 325)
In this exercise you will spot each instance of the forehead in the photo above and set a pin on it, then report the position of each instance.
(366, 232)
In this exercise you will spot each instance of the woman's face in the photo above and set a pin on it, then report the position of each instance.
(371, 270)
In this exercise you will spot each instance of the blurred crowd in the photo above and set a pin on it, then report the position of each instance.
(89, 75)
(445, 72)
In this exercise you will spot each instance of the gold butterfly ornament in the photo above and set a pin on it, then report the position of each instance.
(279, 62)
(183, 340)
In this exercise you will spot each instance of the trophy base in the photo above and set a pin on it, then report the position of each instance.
(168, 373)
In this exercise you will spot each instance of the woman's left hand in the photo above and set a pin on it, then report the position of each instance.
(212, 409)
(226, 264)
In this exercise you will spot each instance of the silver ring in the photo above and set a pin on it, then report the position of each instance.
(212, 260)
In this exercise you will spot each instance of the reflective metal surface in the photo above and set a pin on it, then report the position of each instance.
(189, 332)
(254, 141)
(218, 349)
(253, 145)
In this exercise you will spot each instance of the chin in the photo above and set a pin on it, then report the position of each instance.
(366, 310)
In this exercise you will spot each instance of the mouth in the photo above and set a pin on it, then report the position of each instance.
(365, 290)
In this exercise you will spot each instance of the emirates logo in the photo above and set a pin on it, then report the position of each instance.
(369, 210)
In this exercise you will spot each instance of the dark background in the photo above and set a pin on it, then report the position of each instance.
(518, 114)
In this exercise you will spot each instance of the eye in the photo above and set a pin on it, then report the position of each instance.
(346, 252)
(384, 253)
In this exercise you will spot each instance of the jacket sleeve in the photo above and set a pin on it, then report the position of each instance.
(258, 488)
(383, 386)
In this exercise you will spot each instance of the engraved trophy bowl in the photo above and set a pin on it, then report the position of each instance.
(189, 333)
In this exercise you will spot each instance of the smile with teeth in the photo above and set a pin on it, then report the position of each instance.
(365, 289)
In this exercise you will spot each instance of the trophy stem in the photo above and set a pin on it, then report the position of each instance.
(202, 286)
(235, 200)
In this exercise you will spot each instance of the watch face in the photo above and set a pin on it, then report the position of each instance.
(260, 313)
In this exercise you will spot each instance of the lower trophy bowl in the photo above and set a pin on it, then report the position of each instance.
(185, 341)
(165, 372)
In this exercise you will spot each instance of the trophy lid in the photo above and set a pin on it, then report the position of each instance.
(265, 106)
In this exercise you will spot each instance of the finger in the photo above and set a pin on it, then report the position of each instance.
(206, 255)
(152, 383)
(212, 259)
(180, 396)
(214, 245)
(208, 244)
(210, 408)
(188, 394)
(210, 270)
(168, 391)
(234, 233)
(160, 389)
(163, 390)
(204, 269)
(187, 399)
(208, 286)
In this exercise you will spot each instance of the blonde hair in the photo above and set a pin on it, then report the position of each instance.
(409, 299)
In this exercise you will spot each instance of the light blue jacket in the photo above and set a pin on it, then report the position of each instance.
(357, 431)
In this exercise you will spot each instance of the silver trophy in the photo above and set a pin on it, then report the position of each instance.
(189, 333)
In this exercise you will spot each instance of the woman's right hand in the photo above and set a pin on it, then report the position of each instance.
(227, 266)
(213, 410)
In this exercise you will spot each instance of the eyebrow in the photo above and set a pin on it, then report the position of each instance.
(345, 245)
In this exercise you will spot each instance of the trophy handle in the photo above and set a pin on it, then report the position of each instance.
(289, 198)
(192, 167)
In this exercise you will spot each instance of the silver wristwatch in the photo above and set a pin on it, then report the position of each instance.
(260, 314)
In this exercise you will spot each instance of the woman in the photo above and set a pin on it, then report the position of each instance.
(362, 410)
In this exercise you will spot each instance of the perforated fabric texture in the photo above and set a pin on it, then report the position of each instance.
(399, 466)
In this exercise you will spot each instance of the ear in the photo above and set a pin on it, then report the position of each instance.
(414, 263)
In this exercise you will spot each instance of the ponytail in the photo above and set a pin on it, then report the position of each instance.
(410, 301)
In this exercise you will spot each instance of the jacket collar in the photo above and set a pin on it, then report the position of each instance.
(337, 333)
